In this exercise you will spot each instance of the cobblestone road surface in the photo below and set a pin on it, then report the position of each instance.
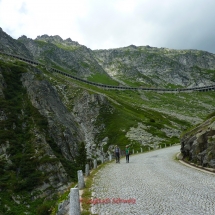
(155, 184)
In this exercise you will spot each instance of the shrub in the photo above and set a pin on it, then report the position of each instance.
(44, 209)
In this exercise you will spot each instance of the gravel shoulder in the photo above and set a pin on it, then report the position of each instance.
(153, 183)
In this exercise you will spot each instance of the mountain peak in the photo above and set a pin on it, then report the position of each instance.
(132, 46)
(23, 38)
(57, 39)
(47, 38)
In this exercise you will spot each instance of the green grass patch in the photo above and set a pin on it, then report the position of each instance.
(67, 47)
(102, 79)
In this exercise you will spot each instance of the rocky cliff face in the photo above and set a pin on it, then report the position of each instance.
(31, 134)
(12, 46)
(85, 106)
(63, 127)
(87, 109)
(40, 134)
(198, 145)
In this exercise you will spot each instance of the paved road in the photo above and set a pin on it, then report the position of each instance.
(155, 184)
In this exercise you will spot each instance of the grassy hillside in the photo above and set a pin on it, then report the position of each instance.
(173, 110)
(155, 110)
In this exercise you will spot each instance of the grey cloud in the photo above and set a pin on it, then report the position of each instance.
(23, 8)
(173, 24)
(193, 29)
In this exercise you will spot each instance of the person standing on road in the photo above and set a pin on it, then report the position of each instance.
(117, 154)
(127, 153)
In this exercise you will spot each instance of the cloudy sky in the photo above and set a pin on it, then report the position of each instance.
(104, 24)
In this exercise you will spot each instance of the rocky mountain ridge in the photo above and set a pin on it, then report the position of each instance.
(64, 54)
(57, 39)
(132, 65)
(150, 66)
